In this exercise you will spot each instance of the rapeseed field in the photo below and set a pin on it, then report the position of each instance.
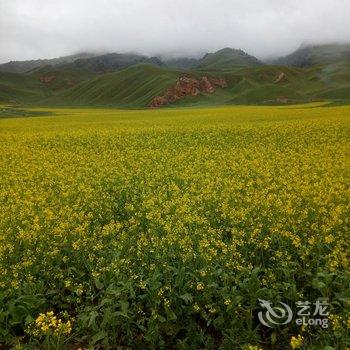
(164, 229)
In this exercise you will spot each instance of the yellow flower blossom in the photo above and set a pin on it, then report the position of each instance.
(200, 286)
(296, 342)
(138, 205)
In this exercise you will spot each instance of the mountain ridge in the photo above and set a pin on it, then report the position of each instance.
(114, 61)
(132, 80)
(28, 65)
(305, 55)
(309, 55)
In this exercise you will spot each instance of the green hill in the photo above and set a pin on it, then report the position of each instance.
(248, 81)
(60, 78)
(319, 54)
(260, 85)
(227, 59)
(26, 66)
(39, 83)
(112, 62)
(134, 86)
(19, 88)
(95, 63)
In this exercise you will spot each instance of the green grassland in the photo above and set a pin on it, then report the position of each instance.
(62, 77)
(133, 87)
(161, 229)
(136, 86)
(131, 81)
(19, 88)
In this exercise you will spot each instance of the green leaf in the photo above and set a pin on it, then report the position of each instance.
(317, 284)
(187, 298)
(98, 283)
(98, 337)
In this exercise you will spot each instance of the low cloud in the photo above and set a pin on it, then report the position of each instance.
(31, 29)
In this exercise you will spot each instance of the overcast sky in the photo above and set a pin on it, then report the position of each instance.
(31, 29)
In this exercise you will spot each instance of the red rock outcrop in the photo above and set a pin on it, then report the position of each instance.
(206, 86)
(220, 82)
(187, 86)
(47, 79)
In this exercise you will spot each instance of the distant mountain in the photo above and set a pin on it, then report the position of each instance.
(307, 56)
(111, 62)
(228, 59)
(133, 81)
(26, 66)
(95, 63)
(223, 59)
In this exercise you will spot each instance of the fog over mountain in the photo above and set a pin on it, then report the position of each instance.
(32, 29)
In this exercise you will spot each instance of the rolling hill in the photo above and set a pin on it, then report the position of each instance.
(227, 59)
(19, 88)
(136, 86)
(133, 86)
(133, 81)
(60, 77)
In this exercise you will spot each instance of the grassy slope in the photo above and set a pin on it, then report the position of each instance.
(336, 80)
(27, 88)
(19, 87)
(135, 86)
(257, 86)
(62, 76)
